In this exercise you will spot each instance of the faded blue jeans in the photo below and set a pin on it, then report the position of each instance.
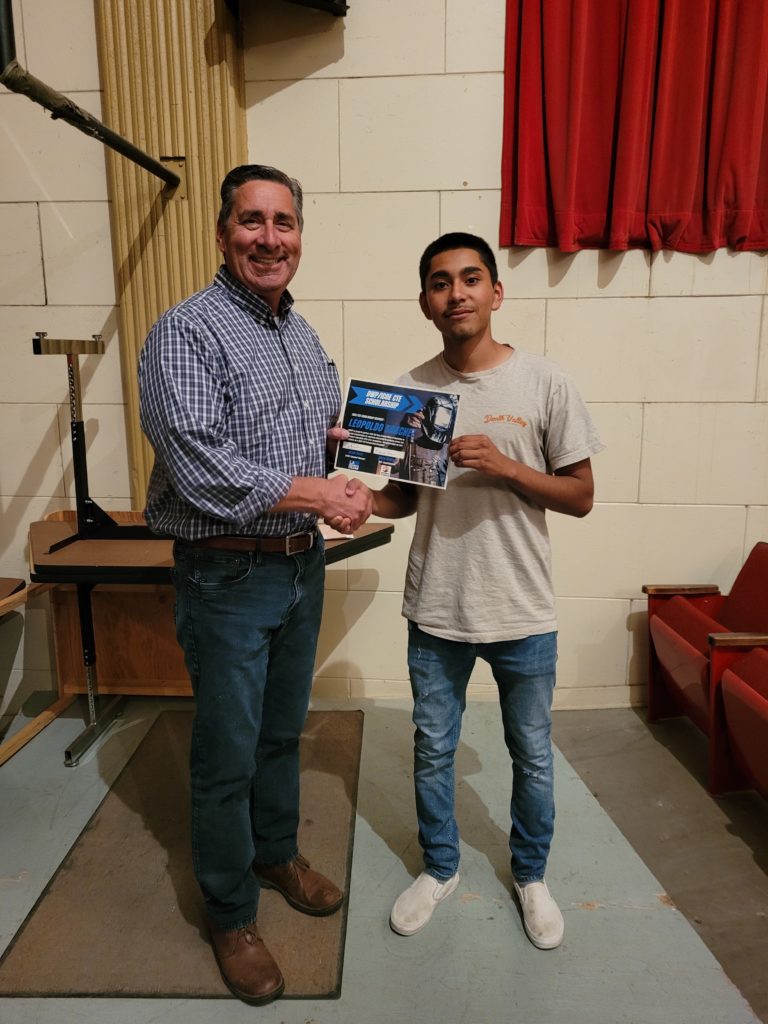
(248, 625)
(524, 671)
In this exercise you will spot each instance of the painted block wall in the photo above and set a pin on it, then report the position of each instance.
(391, 118)
(55, 276)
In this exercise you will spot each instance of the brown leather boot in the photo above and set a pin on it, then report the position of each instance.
(305, 889)
(246, 965)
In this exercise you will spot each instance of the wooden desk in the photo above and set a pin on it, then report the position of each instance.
(121, 602)
(143, 561)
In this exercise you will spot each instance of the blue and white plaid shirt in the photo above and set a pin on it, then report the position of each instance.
(236, 402)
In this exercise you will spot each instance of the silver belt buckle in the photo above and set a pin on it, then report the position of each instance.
(292, 546)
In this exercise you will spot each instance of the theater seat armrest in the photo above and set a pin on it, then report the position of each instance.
(738, 639)
(673, 589)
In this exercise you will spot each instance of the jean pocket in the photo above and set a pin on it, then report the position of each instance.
(215, 570)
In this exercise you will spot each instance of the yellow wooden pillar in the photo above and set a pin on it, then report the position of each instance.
(173, 84)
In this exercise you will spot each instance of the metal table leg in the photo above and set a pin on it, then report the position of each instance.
(101, 711)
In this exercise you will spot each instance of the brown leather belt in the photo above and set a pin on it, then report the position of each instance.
(292, 545)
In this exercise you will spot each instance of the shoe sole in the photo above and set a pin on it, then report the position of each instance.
(543, 945)
(302, 907)
(270, 997)
(538, 942)
(409, 931)
(418, 928)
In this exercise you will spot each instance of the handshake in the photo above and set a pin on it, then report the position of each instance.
(347, 503)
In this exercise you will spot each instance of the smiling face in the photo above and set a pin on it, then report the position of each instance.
(459, 296)
(261, 241)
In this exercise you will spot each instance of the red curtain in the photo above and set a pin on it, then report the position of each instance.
(636, 124)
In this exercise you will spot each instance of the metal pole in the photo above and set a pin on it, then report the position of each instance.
(7, 37)
(16, 78)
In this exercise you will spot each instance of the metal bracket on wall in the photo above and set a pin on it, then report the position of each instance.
(177, 164)
(337, 7)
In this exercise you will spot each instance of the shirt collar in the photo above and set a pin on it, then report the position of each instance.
(249, 300)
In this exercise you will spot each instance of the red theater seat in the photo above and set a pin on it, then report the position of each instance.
(745, 701)
(695, 633)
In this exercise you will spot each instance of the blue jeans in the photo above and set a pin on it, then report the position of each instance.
(524, 671)
(248, 625)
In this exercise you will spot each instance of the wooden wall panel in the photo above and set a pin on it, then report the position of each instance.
(135, 640)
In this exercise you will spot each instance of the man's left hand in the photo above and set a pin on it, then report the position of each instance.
(332, 437)
(477, 451)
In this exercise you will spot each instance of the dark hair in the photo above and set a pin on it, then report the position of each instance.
(458, 240)
(257, 172)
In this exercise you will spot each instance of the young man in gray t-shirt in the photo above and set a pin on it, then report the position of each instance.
(479, 577)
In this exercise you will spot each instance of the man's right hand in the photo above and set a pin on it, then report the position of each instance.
(339, 500)
(347, 503)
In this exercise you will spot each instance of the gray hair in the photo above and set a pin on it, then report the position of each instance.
(257, 172)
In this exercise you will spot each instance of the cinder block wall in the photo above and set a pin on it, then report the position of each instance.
(55, 276)
(391, 118)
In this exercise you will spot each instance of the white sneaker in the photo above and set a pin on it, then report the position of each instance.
(414, 907)
(543, 921)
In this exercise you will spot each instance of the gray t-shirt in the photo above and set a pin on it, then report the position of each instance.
(479, 568)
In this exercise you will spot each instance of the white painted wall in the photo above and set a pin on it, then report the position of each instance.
(391, 118)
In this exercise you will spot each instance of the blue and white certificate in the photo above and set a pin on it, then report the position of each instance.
(397, 432)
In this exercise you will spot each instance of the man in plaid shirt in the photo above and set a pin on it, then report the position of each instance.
(239, 401)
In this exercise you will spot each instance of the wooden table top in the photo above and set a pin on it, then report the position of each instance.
(143, 560)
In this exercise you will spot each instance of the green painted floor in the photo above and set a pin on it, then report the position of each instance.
(629, 956)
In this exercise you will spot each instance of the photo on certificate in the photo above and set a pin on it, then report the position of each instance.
(398, 432)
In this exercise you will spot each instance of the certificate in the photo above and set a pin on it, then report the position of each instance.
(398, 432)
